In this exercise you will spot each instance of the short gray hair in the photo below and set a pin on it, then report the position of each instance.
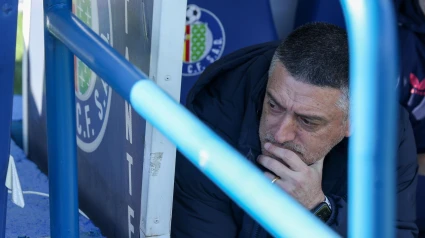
(317, 54)
(344, 101)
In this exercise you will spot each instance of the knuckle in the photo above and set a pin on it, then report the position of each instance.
(288, 153)
(267, 162)
(307, 171)
(261, 159)
(288, 188)
(297, 183)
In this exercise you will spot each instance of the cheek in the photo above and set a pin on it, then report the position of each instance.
(268, 123)
(312, 142)
(319, 143)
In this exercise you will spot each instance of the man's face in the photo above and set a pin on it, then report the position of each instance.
(301, 117)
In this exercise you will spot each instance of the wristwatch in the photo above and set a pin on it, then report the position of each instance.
(323, 210)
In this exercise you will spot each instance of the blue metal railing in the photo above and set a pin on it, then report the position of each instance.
(373, 73)
(8, 22)
(273, 209)
(61, 141)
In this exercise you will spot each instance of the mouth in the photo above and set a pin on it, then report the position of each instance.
(291, 148)
(276, 158)
(297, 152)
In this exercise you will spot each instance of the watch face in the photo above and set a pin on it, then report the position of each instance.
(323, 212)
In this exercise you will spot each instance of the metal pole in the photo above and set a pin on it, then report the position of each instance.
(8, 20)
(62, 168)
(373, 77)
(279, 213)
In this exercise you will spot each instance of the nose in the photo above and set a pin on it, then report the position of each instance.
(286, 130)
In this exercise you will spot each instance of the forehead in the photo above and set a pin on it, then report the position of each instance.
(302, 97)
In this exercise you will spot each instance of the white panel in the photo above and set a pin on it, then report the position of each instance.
(26, 22)
(33, 73)
(36, 53)
(162, 236)
(159, 160)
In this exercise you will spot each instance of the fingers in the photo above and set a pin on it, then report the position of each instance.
(276, 167)
(318, 165)
(287, 156)
(282, 183)
(272, 178)
(301, 181)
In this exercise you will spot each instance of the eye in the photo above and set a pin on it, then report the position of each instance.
(272, 104)
(308, 123)
(305, 121)
(274, 108)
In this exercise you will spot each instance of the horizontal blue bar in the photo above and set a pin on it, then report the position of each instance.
(96, 53)
(372, 149)
(279, 213)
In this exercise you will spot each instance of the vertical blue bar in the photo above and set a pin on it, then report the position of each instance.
(8, 19)
(373, 76)
(63, 179)
(279, 213)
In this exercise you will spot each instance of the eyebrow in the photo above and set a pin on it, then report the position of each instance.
(310, 117)
(274, 99)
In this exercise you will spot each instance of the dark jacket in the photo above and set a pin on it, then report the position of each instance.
(228, 97)
(411, 21)
(411, 28)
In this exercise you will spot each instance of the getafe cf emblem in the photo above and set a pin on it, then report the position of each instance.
(204, 40)
(93, 96)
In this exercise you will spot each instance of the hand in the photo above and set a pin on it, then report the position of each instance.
(301, 181)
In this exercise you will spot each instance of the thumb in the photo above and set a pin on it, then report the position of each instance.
(318, 165)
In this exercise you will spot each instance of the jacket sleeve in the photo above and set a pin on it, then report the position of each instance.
(406, 187)
(200, 209)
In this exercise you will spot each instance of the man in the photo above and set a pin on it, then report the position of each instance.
(411, 21)
(411, 29)
(284, 106)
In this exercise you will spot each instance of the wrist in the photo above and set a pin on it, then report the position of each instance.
(323, 210)
(321, 198)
